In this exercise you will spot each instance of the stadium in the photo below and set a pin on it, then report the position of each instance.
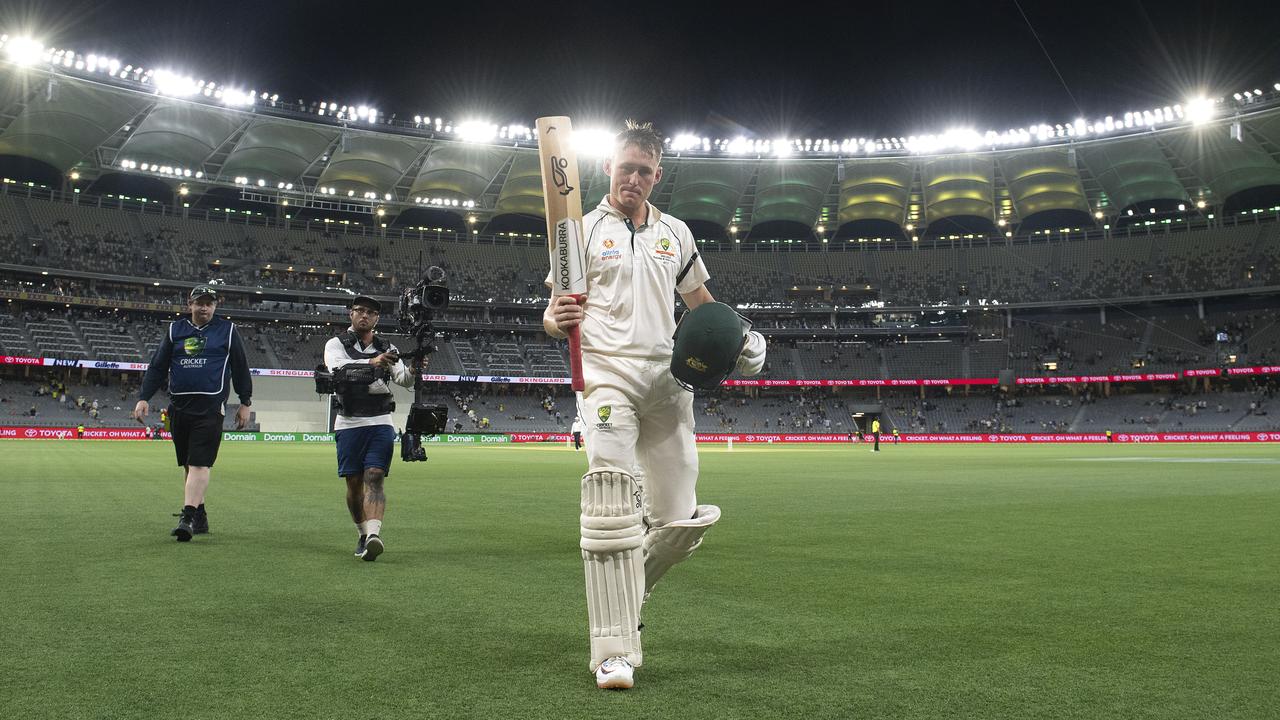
(1077, 287)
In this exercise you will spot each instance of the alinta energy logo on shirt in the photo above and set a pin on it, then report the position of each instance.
(662, 250)
(609, 253)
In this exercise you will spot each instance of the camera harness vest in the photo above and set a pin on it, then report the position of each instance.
(356, 400)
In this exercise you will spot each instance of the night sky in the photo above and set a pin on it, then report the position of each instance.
(785, 69)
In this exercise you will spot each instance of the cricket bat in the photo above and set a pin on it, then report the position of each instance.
(562, 193)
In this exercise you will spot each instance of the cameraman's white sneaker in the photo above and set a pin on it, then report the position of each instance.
(616, 673)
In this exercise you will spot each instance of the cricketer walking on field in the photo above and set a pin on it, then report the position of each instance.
(640, 514)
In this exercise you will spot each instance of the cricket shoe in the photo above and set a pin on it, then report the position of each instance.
(616, 673)
(373, 547)
(360, 546)
(184, 531)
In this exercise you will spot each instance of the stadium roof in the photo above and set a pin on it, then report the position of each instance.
(100, 130)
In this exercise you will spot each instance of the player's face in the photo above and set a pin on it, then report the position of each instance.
(202, 310)
(632, 175)
(363, 318)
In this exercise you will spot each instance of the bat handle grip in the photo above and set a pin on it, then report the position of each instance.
(575, 354)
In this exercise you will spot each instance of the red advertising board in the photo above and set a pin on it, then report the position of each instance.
(736, 382)
(69, 433)
(1202, 372)
(1059, 379)
(861, 383)
(1259, 370)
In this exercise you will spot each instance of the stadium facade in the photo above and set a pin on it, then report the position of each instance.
(1147, 253)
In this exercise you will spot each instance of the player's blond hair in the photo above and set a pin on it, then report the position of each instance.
(643, 135)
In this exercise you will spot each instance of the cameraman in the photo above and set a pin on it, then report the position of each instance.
(364, 429)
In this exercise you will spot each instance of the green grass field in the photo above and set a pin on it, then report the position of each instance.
(931, 582)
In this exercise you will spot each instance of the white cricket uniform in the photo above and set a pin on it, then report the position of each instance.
(335, 356)
(636, 415)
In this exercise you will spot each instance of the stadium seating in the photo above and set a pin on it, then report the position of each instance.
(84, 236)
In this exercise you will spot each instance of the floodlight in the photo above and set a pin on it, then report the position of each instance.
(738, 145)
(235, 96)
(23, 50)
(684, 141)
(593, 142)
(476, 131)
(168, 82)
(1200, 110)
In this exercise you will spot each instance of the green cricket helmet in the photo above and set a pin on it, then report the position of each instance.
(708, 341)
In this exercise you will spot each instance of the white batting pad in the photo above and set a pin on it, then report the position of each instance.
(674, 542)
(612, 536)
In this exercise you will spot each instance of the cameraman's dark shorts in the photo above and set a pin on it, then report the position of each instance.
(196, 437)
(365, 447)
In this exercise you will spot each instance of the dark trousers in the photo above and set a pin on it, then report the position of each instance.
(876, 435)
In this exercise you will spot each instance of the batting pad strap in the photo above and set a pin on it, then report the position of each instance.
(673, 543)
(612, 538)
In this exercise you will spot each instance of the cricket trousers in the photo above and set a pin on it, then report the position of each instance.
(639, 418)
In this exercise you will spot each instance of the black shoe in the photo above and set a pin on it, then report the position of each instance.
(360, 546)
(200, 523)
(184, 531)
(372, 548)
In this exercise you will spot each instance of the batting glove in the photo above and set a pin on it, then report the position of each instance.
(751, 361)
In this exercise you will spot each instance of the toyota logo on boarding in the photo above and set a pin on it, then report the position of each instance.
(32, 432)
